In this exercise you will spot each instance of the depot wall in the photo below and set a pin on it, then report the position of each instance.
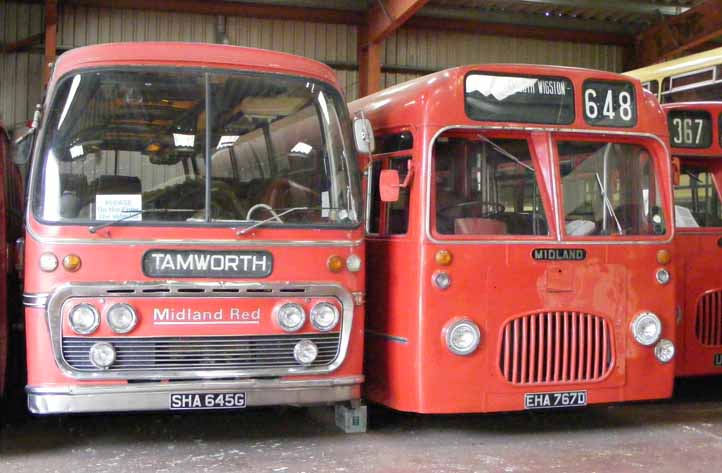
(407, 54)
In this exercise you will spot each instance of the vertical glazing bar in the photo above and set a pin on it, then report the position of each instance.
(557, 346)
(575, 342)
(208, 146)
(515, 355)
(550, 347)
(542, 354)
(565, 350)
(524, 351)
(507, 352)
(533, 319)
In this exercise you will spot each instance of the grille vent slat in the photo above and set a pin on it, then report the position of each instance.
(556, 347)
(206, 353)
(708, 323)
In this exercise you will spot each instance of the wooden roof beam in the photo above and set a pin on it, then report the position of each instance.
(387, 16)
(674, 36)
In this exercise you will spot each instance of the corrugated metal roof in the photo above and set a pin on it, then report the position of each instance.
(633, 13)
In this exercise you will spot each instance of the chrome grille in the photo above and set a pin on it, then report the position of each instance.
(204, 353)
(556, 347)
(708, 325)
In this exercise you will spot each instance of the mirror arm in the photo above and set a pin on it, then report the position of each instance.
(409, 175)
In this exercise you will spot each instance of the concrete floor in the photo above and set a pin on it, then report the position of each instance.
(682, 435)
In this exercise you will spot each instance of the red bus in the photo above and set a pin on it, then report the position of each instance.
(694, 133)
(11, 203)
(194, 236)
(519, 235)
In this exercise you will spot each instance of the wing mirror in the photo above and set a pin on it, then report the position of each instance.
(389, 183)
(676, 171)
(363, 134)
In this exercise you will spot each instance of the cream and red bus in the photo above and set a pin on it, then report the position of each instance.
(519, 236)
(194, 236)
(697, 77)
(694, 133)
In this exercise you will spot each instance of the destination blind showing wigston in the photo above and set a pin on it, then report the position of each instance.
(207, 264)
(524, 99)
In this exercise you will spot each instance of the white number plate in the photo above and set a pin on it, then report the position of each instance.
(190, 401)
(552, 400)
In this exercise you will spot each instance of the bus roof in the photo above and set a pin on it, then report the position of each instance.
(690, 63)
(715, 111)
(427, 100)
(203, 55)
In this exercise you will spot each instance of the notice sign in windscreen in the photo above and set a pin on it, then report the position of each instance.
(524, 99)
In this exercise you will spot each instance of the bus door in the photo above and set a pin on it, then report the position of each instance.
(698, 217)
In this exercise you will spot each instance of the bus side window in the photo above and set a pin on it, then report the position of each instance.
(398, 212)
(374, 200)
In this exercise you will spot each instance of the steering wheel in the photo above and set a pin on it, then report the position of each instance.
(496, 208)
(265, 207)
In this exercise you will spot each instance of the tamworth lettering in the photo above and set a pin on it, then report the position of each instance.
(210, 262)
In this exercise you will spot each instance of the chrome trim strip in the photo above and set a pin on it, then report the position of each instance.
(392, 338)
(171, 289)
(213, 243)
(155, 396)
(545, 240)
(38, 301)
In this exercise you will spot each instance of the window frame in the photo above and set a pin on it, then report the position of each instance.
(714, 169)
(546, 198)
(645, 142)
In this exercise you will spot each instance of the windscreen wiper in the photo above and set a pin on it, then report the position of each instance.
(277, 216)
(133, 213)
(608, 204)
(505, 153)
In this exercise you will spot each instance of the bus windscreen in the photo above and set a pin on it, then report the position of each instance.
(523, 99)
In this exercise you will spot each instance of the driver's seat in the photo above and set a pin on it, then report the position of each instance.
(479, 226)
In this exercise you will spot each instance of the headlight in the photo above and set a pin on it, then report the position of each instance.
(664, 351)
(353, 263)
(662, 276)
(48, 262)
(84, 319)
(646, 328)
(324, 316)
(121, 318)
(462, 337)
(102, 355)
(441, 279)
(305, 352)
(290, 317)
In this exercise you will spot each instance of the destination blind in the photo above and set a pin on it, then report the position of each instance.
(524, 99)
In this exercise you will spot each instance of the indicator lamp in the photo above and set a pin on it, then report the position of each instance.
(664, 257)
(443, 257)
(48, 262)
(335, 264)
(71, 263)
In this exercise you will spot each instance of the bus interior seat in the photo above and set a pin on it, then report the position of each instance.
(75, 194)
(479, 226)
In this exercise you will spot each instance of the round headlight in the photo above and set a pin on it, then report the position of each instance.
(121, 318)
(305, 352)
(662, 276)
(324, 316)
(646, 328)
(48, 262)
(441, 279)
(462, 337)
(102, 355)
(664, 350)
(290, 317)
(84, 319)
(353, 263)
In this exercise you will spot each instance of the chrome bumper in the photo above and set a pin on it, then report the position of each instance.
(155, 396)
